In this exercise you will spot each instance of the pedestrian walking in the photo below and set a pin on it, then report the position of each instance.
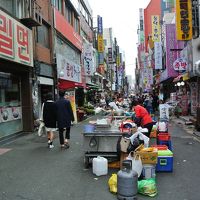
(49, 118)
(142, 117)
(64, 119)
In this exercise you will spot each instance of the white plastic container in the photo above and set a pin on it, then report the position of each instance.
(149, 171)
(100, 166)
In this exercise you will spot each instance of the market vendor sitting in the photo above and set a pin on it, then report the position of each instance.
(141, 117)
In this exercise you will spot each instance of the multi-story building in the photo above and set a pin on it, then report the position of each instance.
(17, 44)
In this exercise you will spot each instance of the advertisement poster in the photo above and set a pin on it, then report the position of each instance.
(73, 103)
(10, 113)
(6, 114)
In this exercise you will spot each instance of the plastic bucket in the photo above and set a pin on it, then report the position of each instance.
(148, 171)
(89, 128)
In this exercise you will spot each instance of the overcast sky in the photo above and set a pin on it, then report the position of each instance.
(123, 17)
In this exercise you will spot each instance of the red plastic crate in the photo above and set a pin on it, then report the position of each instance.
(160, 147)
(164, 136)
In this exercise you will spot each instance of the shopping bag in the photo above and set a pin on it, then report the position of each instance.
(112, 182)
(124, 144)
(147, 187)
(41, 129)
(136, 162)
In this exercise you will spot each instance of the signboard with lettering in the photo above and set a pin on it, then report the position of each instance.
(88, 59)
(15, 41)
(68, 70)
(155, 19)
(183, 19)
(180, 65)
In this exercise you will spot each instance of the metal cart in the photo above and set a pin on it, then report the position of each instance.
(101, 142)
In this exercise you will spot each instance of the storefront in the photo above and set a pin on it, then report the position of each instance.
(16, 61)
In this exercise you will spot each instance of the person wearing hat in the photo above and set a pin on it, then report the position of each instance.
(142, 117)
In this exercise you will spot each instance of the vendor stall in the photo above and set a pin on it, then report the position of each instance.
(100, 142)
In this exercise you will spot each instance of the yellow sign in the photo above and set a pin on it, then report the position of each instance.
(155, 20)
(183, 20)
(100, 43)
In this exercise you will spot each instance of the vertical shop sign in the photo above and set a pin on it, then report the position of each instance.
(158, 55)
(183, 19)
(172, 49)
(88, 59)
(100, 44)
(15, 40)
(100, 25)
(193, 100)
(110, 58)
(155, 28)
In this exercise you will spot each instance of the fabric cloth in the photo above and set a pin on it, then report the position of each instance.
(141, 112)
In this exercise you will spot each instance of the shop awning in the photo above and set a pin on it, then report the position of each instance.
(181, 77)
(65, 84)
(92, 85)
(178, 78)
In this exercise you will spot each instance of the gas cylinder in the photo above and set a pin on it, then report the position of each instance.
(127, 182)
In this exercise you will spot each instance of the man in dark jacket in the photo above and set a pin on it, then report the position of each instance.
(64, 118)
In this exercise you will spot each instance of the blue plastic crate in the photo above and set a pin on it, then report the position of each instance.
(163, 142)
(164, 164)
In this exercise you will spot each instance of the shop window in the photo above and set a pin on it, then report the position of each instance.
(42, 35)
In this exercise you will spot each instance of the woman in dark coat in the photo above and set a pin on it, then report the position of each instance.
(49, 118)
(64, 118)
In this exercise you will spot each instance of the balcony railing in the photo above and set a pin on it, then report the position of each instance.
(32, 14)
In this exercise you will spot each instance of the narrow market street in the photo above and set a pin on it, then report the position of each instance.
(31, 171)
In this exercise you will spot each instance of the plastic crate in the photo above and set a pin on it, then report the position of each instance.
(163, 142)
(164, 164)
(160, 147)
(164, 136)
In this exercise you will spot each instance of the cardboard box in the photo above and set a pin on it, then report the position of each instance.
(148, 157)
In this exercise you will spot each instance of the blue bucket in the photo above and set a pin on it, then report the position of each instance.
(89, 128)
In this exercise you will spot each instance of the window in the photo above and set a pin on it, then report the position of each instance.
(68, 15)
(42, 36)
(76, 25)
(7, 5)
(59, 5)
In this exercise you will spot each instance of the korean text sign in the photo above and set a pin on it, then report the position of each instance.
(15, 40)
(68, 70)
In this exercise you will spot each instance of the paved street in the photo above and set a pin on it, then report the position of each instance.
(30, 171)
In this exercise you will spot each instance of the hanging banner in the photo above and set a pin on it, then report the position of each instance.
(158, 55)
(88, 59)
(183, 20)
(155, 20)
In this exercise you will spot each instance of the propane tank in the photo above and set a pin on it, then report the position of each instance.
(127, 182)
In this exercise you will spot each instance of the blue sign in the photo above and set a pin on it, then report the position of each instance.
(100, 25)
